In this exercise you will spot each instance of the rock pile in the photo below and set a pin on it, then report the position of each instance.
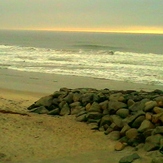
(131, 117)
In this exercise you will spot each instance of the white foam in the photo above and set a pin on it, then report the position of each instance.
(126, 66)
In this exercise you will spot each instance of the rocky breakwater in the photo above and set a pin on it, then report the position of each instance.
(131, 117)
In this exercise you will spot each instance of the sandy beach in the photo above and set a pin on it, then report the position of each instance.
(28, 138)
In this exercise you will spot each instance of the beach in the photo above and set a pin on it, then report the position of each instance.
(27, 137)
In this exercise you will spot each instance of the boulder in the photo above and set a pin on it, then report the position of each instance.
(65, 110)
(129, 158)
(131, 133)
(137, 122)
(54, 112)
(114, 135)
(146, 124)
(117, 121)
(150, 105)
(95, 107)
(115, 105)
(39, 110)
(123, 113)
(119, 146)
(152, 142)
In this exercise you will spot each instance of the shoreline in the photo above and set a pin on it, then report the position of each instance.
(48, 83)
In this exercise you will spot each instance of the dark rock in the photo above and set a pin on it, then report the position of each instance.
(65, 110)
(152, 142)
(94, 115)
(157, 110)
(75, 107)
(130, 102)
(81, 118)
(150, 105)
(54, 112)
(130, 158)
(86, 98)
(115, 96)
(131, 133)
(95, 107)
(40, 110)
(146, 124)
(93, 126)
(123, 113)
(117, 120)
(104, 105)
(125, 128)
(76, 97)
(158, 130)
(44, 101)
(114, 135)
(137, 122)
(108, 131)
(115, 105)
(129, 120)
(106, 119)
(138, 106)
(69, 98)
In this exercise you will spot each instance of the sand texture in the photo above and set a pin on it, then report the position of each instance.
(29, 138)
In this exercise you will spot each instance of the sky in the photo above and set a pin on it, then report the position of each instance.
(137, 16)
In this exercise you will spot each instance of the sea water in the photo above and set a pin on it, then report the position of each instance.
(125, 57)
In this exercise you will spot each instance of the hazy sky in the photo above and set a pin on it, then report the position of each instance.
(104, 15)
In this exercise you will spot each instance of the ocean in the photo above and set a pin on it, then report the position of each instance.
(134, 58)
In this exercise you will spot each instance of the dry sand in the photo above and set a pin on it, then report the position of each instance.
(29, 138)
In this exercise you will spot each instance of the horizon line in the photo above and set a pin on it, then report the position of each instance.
(89, 30)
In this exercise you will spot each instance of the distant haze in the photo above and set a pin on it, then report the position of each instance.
(142, 16)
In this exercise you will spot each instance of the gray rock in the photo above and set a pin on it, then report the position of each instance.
(106, 119)
(44, 101)
(117, 121)
(123, 113)
(130, 158)
(152, 142)
(86, 98)
(81, 118)
(150, 105)
(146, 124)
(114, 135)
(131, 133)
(94, 115)
(40, 110)
(54, 112)
(137, 122)
(157, 160)
(68, 98)
(158, 130)
(65, 110)
(95, 107)
(115, 105)
(125, 128)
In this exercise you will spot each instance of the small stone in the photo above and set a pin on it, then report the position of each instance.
(39, 110)
(148, 116)
(150, 105)
(81, 118)
(95, 107)
(54, 112)
(65, 110)
(123, 113)
(152, 142)
(114, 135)
(137, 122)
(131, 133)
(119, 146)
(146, 124)
(157, 110)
